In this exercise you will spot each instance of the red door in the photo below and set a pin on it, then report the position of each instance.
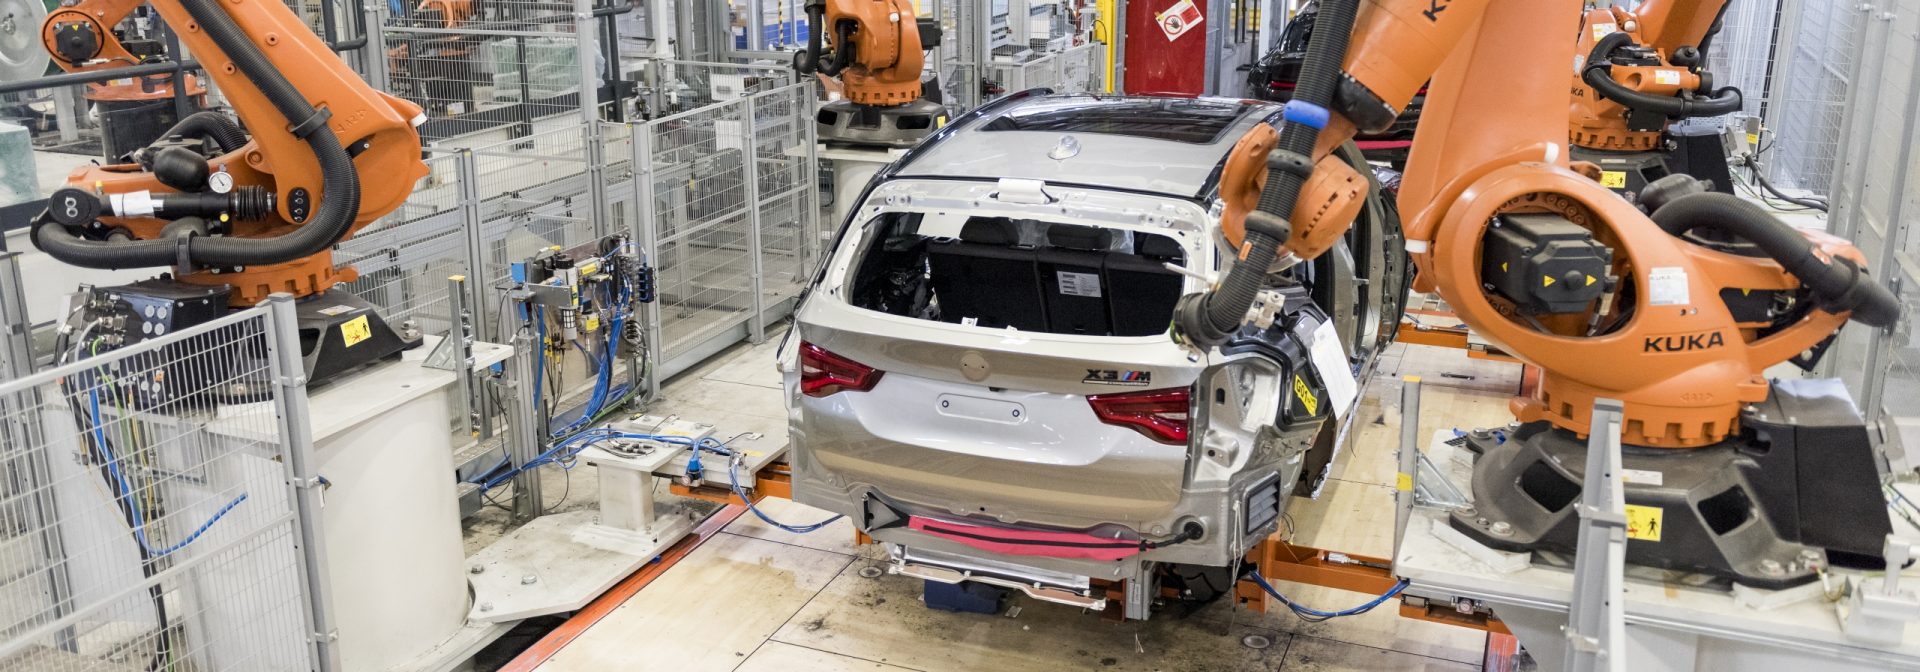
(1157, 64)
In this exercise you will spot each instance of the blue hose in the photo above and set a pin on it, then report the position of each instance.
(1316, 614)
(125, 489)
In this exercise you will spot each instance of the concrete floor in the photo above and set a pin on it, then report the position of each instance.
(756, 599)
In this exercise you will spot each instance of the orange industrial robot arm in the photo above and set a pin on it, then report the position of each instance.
(876, 49)
(1637, 70)
(1648, 307)
(262, 212)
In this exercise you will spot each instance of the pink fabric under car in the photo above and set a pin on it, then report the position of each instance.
(1027, 542)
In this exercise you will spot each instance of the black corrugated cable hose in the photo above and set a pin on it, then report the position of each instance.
(1837, 286)
(224, 131)
(1599, 75)
(1209, 319)
(340, 182)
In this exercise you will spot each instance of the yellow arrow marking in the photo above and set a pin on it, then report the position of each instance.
(1503, 267)
(1546, 281)
(1591, 280)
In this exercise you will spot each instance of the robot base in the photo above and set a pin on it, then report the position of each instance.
(845, 123)
(1796, 486)
(340, 332)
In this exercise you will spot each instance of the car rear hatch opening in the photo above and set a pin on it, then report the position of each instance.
(1011, 369)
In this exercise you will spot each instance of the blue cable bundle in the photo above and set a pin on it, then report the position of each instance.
(563, 452)
(125, 490)
(1316, 615)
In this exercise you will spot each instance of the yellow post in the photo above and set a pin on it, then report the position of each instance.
(1104, 31)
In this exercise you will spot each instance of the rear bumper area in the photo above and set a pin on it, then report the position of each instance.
(1104, 474)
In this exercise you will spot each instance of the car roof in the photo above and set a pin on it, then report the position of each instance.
(1163, 145)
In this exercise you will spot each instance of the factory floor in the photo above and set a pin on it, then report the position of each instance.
(753, 598)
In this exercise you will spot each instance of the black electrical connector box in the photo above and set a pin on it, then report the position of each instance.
(150, 309)
(1545, 264)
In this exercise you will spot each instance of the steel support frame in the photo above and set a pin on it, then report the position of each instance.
(526, 430)
(460, 331)
(1407, 459)
(296, 440)
(586, 31)
(1596, 617)
(750, 160)
(1862, 101)
(646, 227)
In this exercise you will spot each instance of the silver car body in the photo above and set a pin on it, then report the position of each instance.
(992, 426)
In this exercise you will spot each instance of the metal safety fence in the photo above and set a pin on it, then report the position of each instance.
(1875, 202)
(731, 239)
(503, 66)
(670, 87)
(158, 507)
(733, 222)
(1793, 62)
(1078, 69)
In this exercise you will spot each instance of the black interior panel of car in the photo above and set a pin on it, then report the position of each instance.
(1027, 274)
(1150, 288)
(1071, 280)
(988, 277)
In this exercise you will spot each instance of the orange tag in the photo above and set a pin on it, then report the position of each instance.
(1246, 248)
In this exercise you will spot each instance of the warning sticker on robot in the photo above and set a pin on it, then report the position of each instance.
(1179, 19)
(1079, 284)
(353, 331)
(1643, 522)
(1667, 286)
(1643, 477)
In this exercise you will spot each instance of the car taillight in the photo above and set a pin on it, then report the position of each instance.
(823, 373)
(1159, 414)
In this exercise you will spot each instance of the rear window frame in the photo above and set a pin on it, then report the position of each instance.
(843, 262)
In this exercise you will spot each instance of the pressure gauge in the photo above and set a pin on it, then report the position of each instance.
(221, 182)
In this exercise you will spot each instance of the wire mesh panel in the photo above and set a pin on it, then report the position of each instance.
(533, 195)
(784, 173)
(1793, 70)
(680, 86)
(1069, 71)
(474, 66)
(404, 260)
(146, 516)
(704, 267)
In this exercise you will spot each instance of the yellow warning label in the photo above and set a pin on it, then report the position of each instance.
(940, 121)
(1307, 399)
(1613, 179)
(1643, 522)
(355, 330)
(1753, 139)
(1403, 482)
(1546, 281)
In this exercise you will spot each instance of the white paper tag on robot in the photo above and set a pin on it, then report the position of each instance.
(1330, 359)
(1179, 19)
(1643, 477)
(1601, 30)
(1666, 77)
(1079, 284)
(1667, 286)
